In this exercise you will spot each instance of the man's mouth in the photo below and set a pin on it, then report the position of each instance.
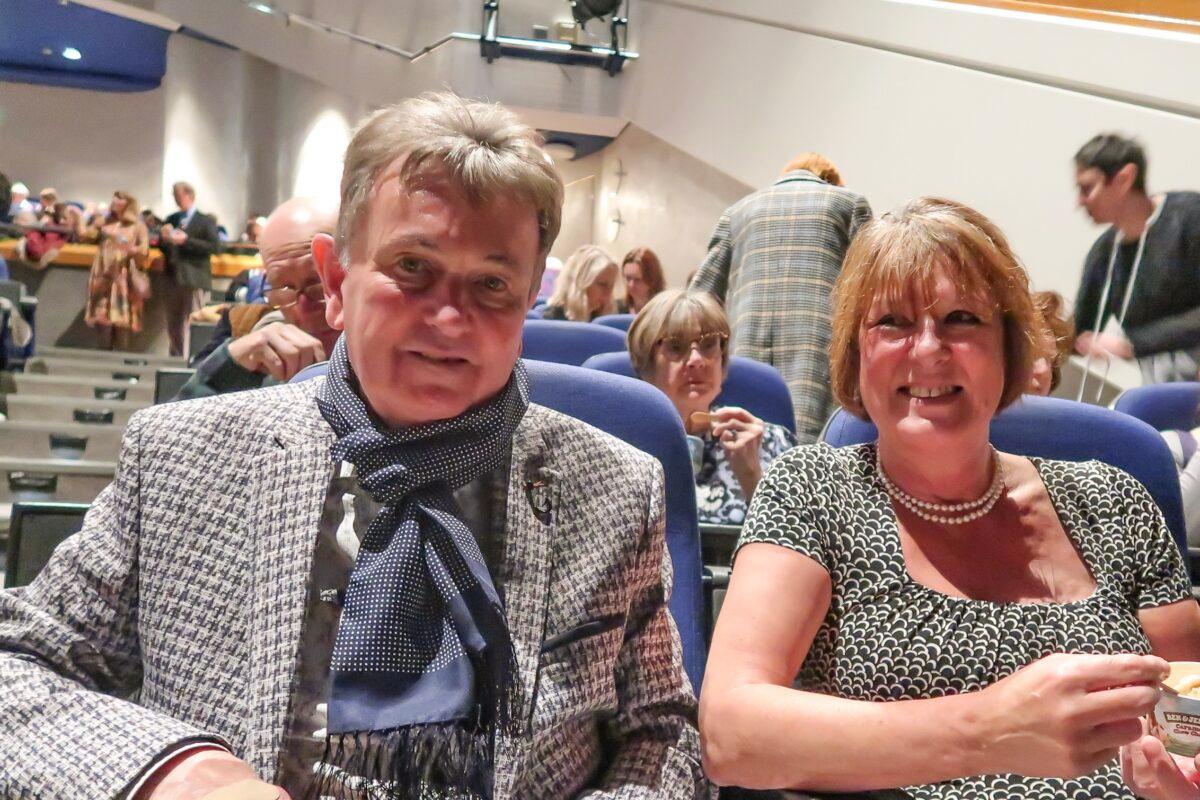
(929, 392)
(433, 358)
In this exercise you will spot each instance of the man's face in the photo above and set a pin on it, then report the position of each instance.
(291, 267)
(183, 199)
(1098, 195)
(434, 299)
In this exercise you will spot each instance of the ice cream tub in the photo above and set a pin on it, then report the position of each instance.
(1176, 718)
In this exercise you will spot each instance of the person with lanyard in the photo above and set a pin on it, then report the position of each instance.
(1144, 270)
(399, 580)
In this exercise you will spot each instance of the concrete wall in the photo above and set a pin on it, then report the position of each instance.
(85, 144)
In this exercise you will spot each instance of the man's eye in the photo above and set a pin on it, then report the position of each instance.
(410, 265)
(494, 284)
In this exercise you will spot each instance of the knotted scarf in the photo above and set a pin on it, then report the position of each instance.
(423, 667)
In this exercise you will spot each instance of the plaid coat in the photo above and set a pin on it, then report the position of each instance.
(175, 614)
(773, 260)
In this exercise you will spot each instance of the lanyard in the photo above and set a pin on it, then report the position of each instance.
(1133, 274)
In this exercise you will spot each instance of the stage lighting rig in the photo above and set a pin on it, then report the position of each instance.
(492, 45)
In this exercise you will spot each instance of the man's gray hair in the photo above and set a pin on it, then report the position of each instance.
(487, 150)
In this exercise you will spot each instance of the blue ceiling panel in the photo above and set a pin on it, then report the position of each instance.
(111, 53)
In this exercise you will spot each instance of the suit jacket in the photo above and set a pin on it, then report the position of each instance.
(175, 614)
(191, 262)
(773, 260)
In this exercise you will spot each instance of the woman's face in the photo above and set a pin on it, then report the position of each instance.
(688, 370)
(636, 289)
(117, 206)
(599, 294)
(931, 370)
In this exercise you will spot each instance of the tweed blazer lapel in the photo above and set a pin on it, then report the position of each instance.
(283, 528)
(532, 500)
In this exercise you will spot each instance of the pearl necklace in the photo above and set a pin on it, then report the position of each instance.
(948, 513)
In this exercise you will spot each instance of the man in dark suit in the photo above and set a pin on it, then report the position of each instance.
(189, 238)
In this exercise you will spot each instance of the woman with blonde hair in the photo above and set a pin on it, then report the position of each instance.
(118, 284)
(584, 289)
(643, 276)
(925, 612)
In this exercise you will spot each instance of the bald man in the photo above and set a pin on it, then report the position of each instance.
(295, 334)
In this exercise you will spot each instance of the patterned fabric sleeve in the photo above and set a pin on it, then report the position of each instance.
(70, 654)
(776, 441)
(655, 744)
(1157, 576)
(784, 508)
(713, 274)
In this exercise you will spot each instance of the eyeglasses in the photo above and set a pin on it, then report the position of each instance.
(286, 296)
(709, 345)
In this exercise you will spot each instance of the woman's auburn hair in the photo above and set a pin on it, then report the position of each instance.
(652, 271)
(904, 251)
(674, 312)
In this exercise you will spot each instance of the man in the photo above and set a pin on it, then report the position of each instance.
(220, 579)
(773, 260)
(188, 239)
(296, 333)
(1144, 270)
(20, 204)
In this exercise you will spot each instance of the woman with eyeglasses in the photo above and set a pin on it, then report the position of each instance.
(679, 343)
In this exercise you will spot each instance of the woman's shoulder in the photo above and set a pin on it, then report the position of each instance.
(812, 466)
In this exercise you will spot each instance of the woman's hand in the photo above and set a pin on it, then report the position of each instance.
(1154, 774)
(740, 434)
(1067, 715)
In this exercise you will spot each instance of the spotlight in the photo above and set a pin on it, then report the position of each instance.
(71, 54)
(262, 8)
(583, 10)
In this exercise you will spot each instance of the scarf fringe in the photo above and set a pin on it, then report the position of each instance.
(444, 761)
(437, 761)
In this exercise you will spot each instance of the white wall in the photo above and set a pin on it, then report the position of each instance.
(913, 98)
(85, 144)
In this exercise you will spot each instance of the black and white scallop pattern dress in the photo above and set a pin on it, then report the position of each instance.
(888, 638)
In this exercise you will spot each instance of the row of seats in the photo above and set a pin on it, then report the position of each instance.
(637, 413)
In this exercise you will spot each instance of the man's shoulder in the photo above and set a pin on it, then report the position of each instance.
(241, 422)
(572, 440)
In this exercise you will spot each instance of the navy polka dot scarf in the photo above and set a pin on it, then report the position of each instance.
(423, 667)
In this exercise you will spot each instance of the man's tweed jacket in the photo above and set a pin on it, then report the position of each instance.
(773, 260)
(175, 614)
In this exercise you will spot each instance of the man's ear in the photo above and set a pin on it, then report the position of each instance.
(1126, 176)
(333, 275)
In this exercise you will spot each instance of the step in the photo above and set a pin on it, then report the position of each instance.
(84, 387)
(120, 356)
(60, 440)
(39, 408)
(53, 479)
(54, 365)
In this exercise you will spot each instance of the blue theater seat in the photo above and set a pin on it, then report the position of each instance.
(620, 322)
(1162, 406)
(1063, 429)
(637, 413)
(567, 342)
(752, 385)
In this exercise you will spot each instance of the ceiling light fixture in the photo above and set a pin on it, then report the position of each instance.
(71, 54)
(262, 8)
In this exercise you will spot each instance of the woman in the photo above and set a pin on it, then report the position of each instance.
(1010, 602)
(643, 278)
(58, 223)
(679, 344)
(1058, 342)
(117, 285)
(584, 289)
